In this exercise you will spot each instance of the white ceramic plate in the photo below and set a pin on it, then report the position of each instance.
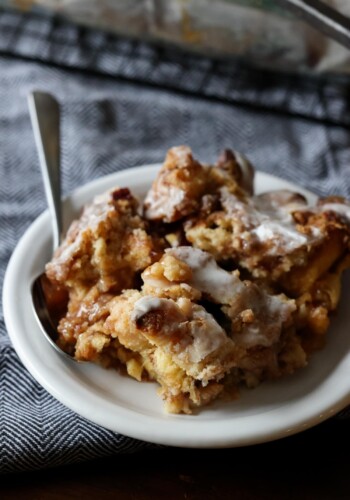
(271, 411)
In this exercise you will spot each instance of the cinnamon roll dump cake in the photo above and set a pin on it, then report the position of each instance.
(206, 286)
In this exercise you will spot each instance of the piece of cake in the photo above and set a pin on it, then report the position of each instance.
(211, 287)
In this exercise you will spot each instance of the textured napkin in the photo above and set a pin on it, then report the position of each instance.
(124, 104)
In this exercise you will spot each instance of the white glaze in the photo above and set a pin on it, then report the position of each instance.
(145, 305)
(93, 214)
(268, 221)
(207, 334)
(207, 276)
(270, 311)
(201, 334)
(162, 201)
(283, 236)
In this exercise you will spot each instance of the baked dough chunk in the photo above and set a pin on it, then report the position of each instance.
(275, 236)
(282, 243)
(181, 345)
(178, 187)
(183, 185)
(106, 247)
(200, 330)
(258, 322)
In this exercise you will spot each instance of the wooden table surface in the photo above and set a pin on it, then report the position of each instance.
(314, 464)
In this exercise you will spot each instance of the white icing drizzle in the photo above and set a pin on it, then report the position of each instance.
(268, 220)
(145, 305)
(200, 333)
(162, 201)
(207, 334)
(287, 237)
(93, 214)
(207, 276)
(281, 201)
(164, 198)
(270, 312)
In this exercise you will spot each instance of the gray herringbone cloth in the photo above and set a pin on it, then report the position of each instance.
(124, 104)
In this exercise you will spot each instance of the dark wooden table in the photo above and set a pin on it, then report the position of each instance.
(312, 465)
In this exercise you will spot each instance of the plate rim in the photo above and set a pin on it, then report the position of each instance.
(144, 427)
